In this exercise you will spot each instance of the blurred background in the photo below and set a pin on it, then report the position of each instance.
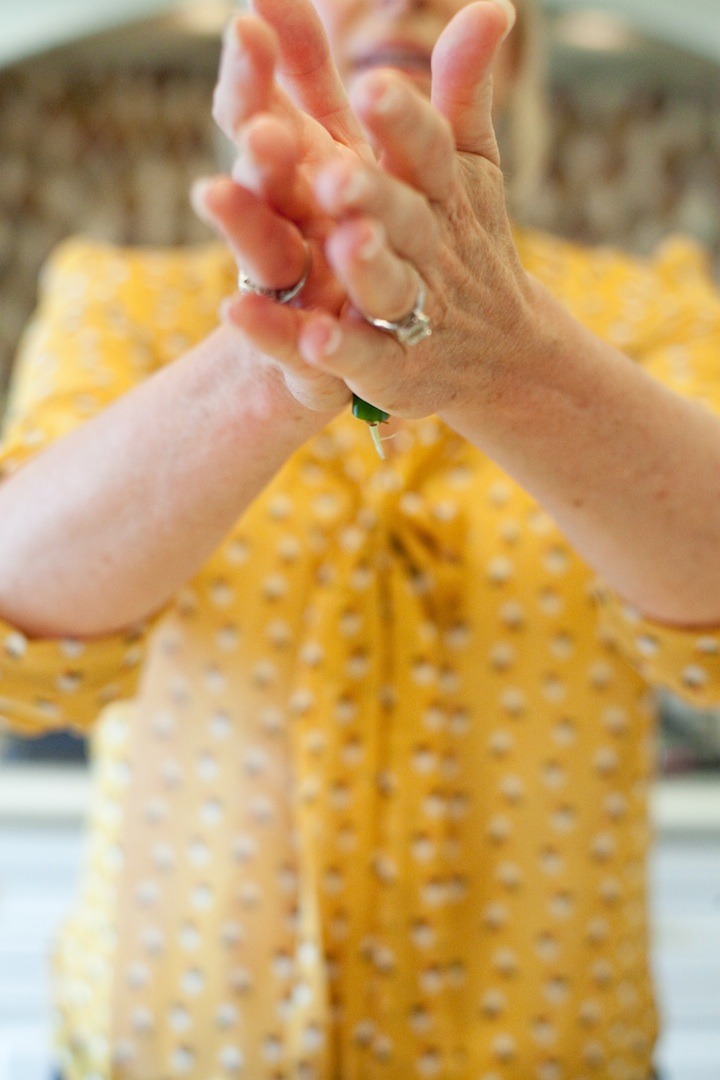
(104, 124)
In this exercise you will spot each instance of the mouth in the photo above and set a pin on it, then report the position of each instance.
(410, 59)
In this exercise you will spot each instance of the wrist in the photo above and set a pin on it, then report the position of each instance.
(261, 396)
(508, 362)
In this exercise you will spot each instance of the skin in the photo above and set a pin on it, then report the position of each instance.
(382, 187)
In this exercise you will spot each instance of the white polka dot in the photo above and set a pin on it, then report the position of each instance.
(15, 645)
(147, 893)
(275, 586)
(493, 1003)
(431, 980)
(124, 1052)
(193, 982)
(505, 961)
(500, 569)
(164, 723)
(510, 531)
(189, 937)
(554, 775)
(241, 980)
(460, 722)
(138, 975)
(501, 743)
(513, 700)
(434, 718)
(182, 1060)
(272, 1049)
(499, 493)
(211, 812)
(512, 787)
(694, 676)
(424, 760)
(512, 614)
(163, 856)
(561, 905)
(495, 916)
(504, 1047)
(502, 656)
(221, 594)
(499, 828)
(142, 1019)
(547, 946)
(364, 1032)
(550, 602)
(429, 1063)
(312, 1038)
(302, 994)
(510, 875)
(231, 1058)
(227, 1015)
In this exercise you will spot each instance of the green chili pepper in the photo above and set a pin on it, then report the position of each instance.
(372, 416)
(367, 412)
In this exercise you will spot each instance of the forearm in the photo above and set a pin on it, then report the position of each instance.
(99, 530)
(629, 470)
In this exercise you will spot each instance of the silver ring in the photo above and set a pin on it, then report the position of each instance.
(413, 328)
(281, 296)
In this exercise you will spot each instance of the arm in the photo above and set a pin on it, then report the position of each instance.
(629, 469)
(100, 529)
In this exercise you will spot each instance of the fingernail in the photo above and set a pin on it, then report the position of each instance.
(198, 193)
(324, 338)
(510, 14)
(388, 99)
(355, 188)
(247, 172)
(370, 247)
(333, 190)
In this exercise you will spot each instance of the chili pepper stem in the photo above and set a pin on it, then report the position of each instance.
(372, 416)
(375, 436)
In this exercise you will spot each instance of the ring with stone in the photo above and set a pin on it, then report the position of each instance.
(413, 327)
(281, 296)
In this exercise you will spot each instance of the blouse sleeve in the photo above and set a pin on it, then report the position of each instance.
(46, 685)
(106, 319)
(680, 346)
(682, 660)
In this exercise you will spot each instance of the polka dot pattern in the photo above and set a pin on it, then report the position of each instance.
(378, 807)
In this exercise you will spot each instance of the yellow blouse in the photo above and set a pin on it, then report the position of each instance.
(370, 794)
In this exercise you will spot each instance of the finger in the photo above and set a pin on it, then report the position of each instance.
(274, 330)
(307, 70)
(379, 284)
(269, 248)
(246, 73)
(347, 188)
(372, 364)
(461, 67)
(268, 164)
(413, 140)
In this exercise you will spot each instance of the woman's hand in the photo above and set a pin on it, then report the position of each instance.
(266, 211)
(433, 210)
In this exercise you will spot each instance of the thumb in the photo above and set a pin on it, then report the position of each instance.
(462, 63)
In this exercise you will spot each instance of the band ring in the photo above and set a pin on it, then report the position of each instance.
(414, 327)
(281, 296)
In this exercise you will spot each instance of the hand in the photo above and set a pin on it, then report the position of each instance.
(267, 211)
(434, 210)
